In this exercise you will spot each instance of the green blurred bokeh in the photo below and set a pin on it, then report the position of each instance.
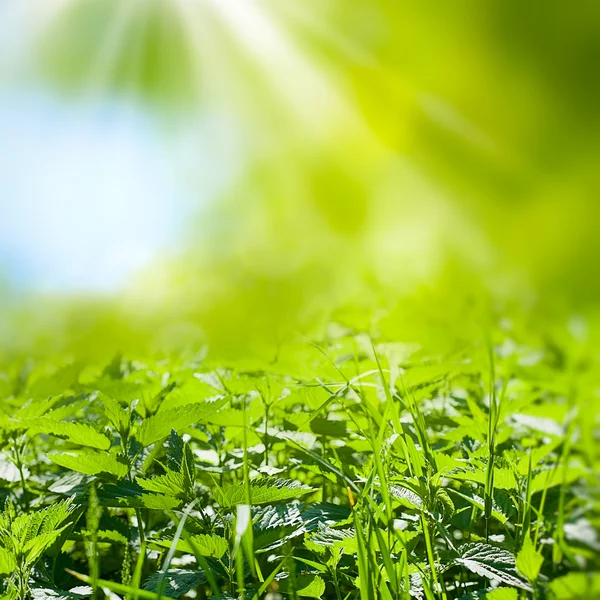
(433, 160)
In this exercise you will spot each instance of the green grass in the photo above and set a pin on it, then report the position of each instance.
(350, 467)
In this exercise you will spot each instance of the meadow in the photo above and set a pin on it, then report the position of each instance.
(353, 465)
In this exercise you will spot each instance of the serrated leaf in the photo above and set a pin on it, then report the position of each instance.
(344, 540)
(118, 417)
(174, 451)
(110, 535)
(406, 497)
(158, 502)
(307, 586)
(35, 547)
(8, 562)
(504, 479)
(178, 582)
(169, 484)
(491, 562)
(206, 545)
(160, 426)
(529, 560)
(91, 463)
(47, 593)
(76, 433)
(262, 491)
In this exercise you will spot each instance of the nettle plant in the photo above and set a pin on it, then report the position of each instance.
(348, 470)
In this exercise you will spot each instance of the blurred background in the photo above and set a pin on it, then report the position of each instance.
(234, 172)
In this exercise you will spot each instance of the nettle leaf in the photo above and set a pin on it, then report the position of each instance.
(344, 540)
(529, 560)
(76, 433)
(91, 463)
(47, 593)
(262, 491)
(117, 416)
(273, 525)
(323, 513)
(181, 581)
(128, 494)
(36, 408)
(405, 497)
(169, 484)
(174, 451)
(206, 545)
(48, 519)
(109, 535)
(160, 425)
(34, 548)
(504, 479)
(8, 562)
(307, 586)
(492, 563)
(34, 533)
(156, 502)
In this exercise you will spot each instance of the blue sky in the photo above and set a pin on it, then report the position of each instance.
(87, 196)
(91, 193)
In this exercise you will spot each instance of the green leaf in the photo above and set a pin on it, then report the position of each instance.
(262, 491)
(497, 511)
(47, 593)
(174, 451)
(91, 463)
(158, 502)
(131, 495)
(34, 548)
(307, 586)
(160, 425)
(405, 497)
(179, 582)
(504, 593)
(8, 562)
(109, 535)
(169, 484)
(504, 479)
(529, 560)
(118, 417)
(206, 545)
(491, 562)
(328, 427)
(76, 433)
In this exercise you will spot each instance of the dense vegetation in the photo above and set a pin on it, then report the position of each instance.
(349, 467)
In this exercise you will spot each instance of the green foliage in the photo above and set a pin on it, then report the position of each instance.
(90, 463)
(262, 491)
(160, 425)
(382, 475)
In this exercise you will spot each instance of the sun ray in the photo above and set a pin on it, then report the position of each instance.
(299, 82)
